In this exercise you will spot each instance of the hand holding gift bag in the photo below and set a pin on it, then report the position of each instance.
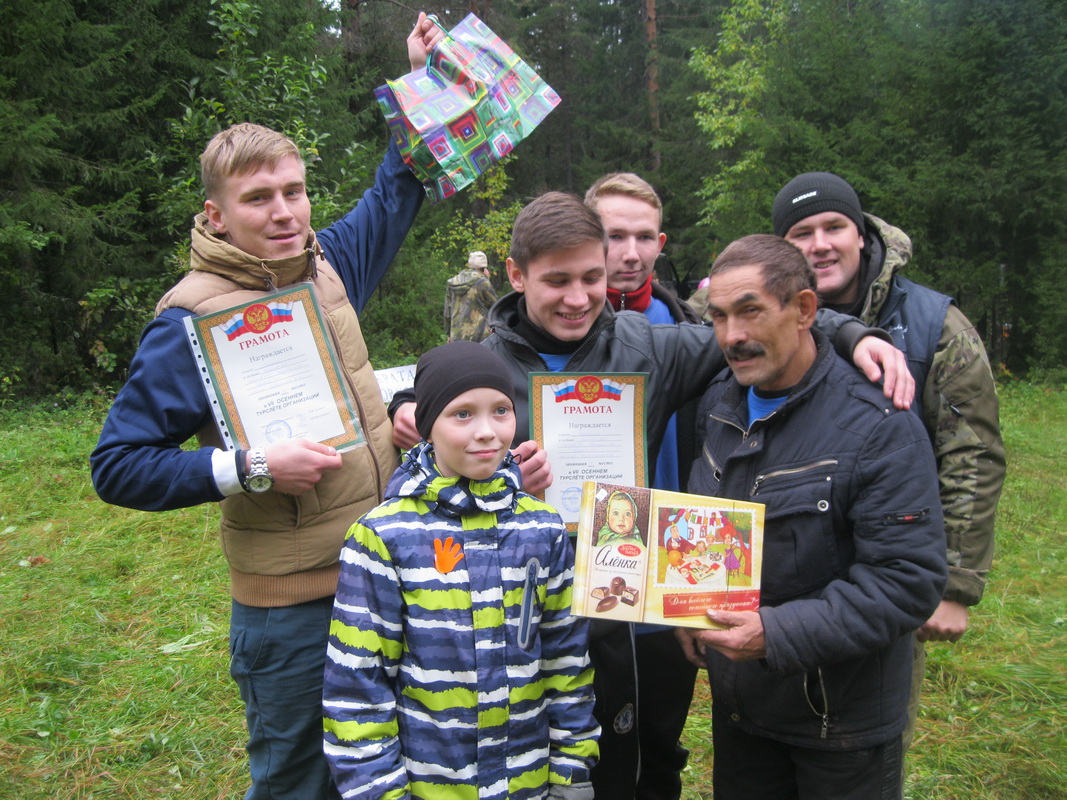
(466, 109)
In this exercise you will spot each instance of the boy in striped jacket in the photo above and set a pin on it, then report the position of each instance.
(455, 668)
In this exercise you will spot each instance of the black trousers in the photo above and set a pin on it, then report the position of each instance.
(751, 767)
(665, 681)
(615, 684)
(643, 688)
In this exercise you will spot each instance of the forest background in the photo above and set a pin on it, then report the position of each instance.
(948, 116)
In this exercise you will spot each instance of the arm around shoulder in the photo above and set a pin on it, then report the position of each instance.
(688, 356)
(871, 351)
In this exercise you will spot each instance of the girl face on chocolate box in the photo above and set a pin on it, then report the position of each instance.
(620, 515)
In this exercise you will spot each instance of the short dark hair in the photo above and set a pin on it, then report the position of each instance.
(784, 268)
(552, 222)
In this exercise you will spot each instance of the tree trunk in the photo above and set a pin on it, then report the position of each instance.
(652, 79)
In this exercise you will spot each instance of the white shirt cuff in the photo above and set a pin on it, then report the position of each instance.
(224, 466)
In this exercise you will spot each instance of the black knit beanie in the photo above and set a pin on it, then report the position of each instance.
(448, 371)
(813, 193)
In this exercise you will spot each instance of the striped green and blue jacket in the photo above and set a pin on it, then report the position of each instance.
(455, 668)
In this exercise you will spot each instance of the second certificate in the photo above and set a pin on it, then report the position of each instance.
(593, 427)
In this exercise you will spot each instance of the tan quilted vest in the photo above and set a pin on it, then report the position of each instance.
(283, 550)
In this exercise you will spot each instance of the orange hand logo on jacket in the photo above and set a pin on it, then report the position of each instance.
(446, 555)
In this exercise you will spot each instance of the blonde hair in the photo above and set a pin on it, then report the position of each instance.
(627, 184)
(240, 149)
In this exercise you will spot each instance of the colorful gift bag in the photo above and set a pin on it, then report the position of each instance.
(466, 109)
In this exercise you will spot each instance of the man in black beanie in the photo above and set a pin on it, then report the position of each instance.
(857, 259)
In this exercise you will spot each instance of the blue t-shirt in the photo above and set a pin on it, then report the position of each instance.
(667, 473)
(658, 313)
(556, 363)
(763, 405)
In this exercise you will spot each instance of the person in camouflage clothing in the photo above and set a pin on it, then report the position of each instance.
(858, 259)
(468, 298)
(698, 301)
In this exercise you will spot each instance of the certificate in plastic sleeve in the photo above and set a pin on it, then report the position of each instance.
(593, 427)
(271, 373)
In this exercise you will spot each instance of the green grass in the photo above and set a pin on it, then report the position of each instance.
(113, 636)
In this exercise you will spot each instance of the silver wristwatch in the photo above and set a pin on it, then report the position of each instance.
(259, 479)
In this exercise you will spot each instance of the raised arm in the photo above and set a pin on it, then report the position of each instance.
(422, 39)
(363, 243)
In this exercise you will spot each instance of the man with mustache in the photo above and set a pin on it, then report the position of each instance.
(809, 694)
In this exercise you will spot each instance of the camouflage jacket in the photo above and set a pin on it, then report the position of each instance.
(960, 411)
(468, 298)
(698, 301)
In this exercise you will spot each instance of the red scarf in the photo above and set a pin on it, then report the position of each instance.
(637, 300)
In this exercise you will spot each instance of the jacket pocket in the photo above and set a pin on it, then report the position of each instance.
(801, 554)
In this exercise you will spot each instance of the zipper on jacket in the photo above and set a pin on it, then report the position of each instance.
(732, 424)
(716, 470)
(824, 715)
(826, 462)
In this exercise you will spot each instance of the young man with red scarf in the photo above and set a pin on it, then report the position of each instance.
(632, 214)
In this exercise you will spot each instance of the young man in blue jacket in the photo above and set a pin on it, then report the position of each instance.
(809, 694)
(286, 507)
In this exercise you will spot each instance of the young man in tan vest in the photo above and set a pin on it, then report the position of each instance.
(286, 507)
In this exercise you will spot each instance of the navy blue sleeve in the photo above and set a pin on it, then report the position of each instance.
(138, 461)
(362, 244)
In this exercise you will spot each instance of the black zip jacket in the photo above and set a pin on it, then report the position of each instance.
(854, 554)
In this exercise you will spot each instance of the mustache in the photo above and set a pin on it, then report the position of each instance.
(743, 352)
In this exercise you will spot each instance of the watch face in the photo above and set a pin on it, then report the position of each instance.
(259, 483)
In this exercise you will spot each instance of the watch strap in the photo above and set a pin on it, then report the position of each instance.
(241, 459)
